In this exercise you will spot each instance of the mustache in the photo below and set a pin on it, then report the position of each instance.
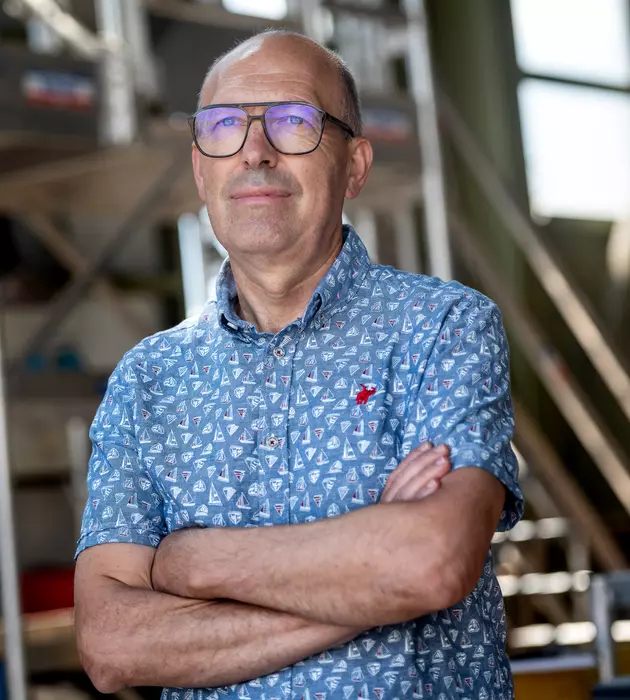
(261, 178)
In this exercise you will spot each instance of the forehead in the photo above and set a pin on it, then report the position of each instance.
(268, 71)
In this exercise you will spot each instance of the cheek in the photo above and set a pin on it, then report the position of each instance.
(214, 176)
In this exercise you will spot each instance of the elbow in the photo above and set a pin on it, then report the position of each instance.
(438, 584)
(103, 663)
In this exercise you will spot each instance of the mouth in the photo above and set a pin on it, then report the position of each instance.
(260, 196)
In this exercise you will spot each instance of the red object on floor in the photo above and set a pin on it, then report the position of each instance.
(47, 589)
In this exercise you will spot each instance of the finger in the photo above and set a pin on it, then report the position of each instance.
(418, 480)
(416, 490)
(421, 472)
(433, 486)
(409, 459)
(415, 461)
(423, 452)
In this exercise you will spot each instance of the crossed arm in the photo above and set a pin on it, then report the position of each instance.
(293, 590)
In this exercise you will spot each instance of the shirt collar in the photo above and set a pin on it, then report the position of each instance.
(336, 287)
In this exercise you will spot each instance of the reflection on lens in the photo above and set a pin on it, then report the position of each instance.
(220, 131)
(294, 128)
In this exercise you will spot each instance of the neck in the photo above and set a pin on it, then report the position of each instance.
(271, 297)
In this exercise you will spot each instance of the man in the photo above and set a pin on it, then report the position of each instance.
(308, 398)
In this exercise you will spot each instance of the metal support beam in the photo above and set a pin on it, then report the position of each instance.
(423, 91)
(66, 254)
(602, 600)
(572, 402)
(138, 42)
(78, 38)
(118, 117)
(76, 290)
(192, 264)
(367, 228)
(407, 239)
(11, 606)
(568, 301)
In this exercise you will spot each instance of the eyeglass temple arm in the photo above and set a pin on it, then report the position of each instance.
(341, 124)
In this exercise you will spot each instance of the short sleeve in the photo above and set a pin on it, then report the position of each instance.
(123, 503)
(462, 398)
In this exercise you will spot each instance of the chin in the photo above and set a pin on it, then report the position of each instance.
(258, 234)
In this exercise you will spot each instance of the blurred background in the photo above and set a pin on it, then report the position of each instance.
(502, 138)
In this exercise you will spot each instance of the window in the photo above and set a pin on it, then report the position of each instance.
(577, 39)
(576, 136)
(270, 9)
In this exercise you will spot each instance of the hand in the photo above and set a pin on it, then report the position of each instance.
(418, 475)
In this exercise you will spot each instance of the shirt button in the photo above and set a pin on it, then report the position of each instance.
(278, 352)
(272, 442)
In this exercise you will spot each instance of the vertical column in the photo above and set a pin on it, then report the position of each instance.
(407, 239)
(367, 228)
(11, 606)
(422, 88)
(601, 613)
(118, 126)
(193, 270)
(137, 34)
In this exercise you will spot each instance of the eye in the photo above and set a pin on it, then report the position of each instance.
(227, 121)
(295, 120)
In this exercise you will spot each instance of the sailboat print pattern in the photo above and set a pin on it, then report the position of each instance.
(212, 423)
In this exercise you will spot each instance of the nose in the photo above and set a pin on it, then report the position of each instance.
(257, 150)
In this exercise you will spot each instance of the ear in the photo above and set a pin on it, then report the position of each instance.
(196, 163)
(359, 166)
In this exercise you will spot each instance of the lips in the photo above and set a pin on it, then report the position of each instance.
(260, 193)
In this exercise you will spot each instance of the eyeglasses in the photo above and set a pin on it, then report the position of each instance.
(292, 128)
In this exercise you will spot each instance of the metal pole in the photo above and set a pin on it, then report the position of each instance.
(407, 239)
(367, 228)
(79, 453)
(11, 607)
(423, 91)
(118, 126)
(601, 612)
(138, 43)
(192, 264)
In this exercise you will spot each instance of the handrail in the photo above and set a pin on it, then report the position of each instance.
(572, 402)
(569, 302)
(565, 491)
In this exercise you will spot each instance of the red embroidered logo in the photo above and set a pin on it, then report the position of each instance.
(365, 393)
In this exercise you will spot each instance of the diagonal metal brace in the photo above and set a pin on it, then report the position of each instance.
(68, 28)
(68, 298)
(57, 244)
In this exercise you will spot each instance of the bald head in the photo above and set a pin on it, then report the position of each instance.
(337, 84)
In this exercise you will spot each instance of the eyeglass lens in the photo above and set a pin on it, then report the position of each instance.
(291, 129)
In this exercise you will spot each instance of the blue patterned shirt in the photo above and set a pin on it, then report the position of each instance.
(212, 423)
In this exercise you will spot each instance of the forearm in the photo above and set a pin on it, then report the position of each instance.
(357, 570)
(142, 637)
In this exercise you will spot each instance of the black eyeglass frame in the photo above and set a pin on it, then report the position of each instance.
(260, 117)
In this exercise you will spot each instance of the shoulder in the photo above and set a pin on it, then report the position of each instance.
(429, 297)
(163, 353)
